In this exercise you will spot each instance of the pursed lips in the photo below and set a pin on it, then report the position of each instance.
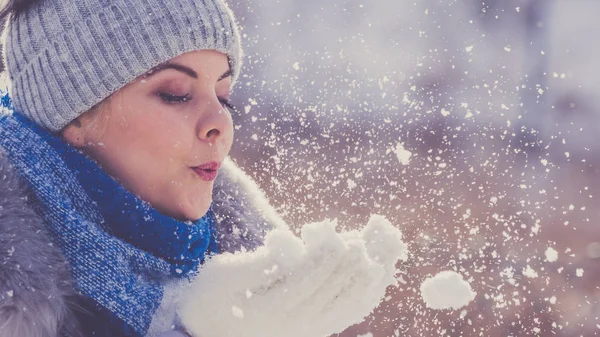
(207, 171)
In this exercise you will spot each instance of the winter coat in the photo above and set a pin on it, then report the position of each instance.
(37, 298)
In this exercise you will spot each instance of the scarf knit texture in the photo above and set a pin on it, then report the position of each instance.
(121, 251)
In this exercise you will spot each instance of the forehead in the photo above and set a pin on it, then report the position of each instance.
(207, 62)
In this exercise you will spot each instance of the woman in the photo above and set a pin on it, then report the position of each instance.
(113, 131)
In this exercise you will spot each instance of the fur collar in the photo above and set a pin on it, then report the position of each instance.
(36, 296)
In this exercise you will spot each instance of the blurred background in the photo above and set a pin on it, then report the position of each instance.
(498, 104)
(498, 101)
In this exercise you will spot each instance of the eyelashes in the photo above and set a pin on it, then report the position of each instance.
(176, 99)
(172, 99)
(226, 103)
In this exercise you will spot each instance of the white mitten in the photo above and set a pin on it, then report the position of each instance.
(314, 286)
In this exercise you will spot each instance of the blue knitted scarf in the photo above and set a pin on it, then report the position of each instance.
(121, 251)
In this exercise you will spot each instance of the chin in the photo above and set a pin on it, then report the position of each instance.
(197, 211)
(194, 205)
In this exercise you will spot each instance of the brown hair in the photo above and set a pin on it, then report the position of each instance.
(92, 114)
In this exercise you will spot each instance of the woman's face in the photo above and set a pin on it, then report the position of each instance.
(164, 135)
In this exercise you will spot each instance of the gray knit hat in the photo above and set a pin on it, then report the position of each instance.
(65, 56)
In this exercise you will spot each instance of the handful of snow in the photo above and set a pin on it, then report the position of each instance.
(446, 290)
(314, 286)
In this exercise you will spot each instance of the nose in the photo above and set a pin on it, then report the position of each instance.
(214, 122)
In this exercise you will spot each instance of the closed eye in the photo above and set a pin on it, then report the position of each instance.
(226, 103)
(174, 99)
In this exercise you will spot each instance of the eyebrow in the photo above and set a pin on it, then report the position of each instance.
(186, 70)
(225, 75)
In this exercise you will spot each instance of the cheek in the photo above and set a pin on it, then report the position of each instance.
(142, 144)
(156, 130)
